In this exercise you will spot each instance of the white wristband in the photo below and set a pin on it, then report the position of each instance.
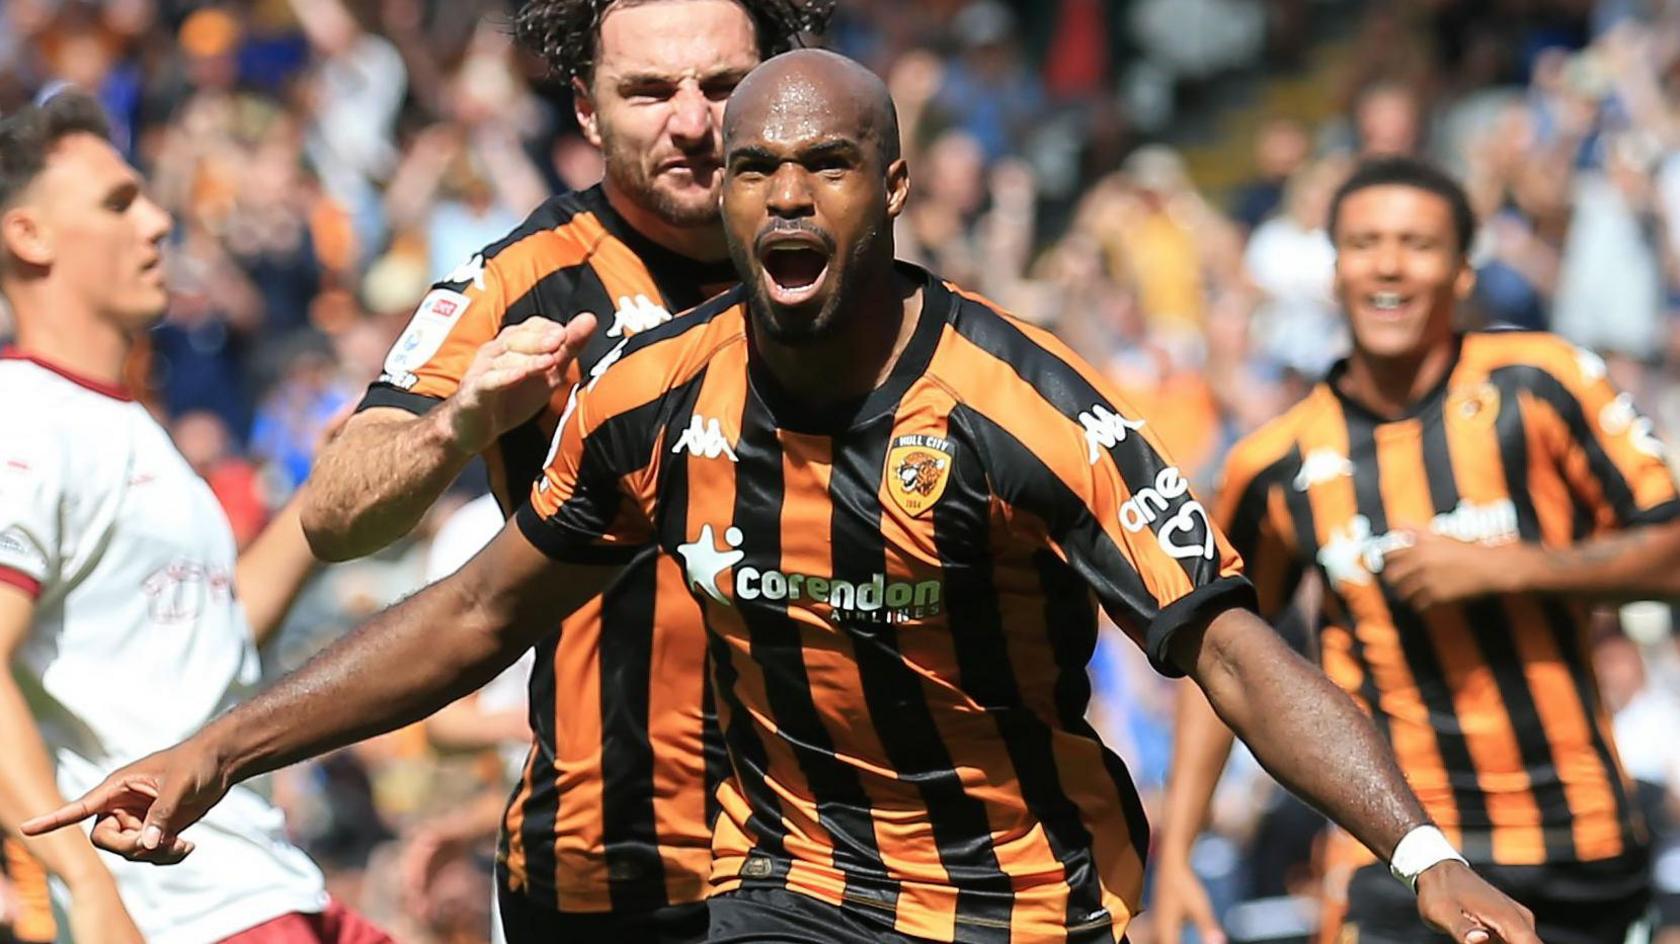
(1419, 849)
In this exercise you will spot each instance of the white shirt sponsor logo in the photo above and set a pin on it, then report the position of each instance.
(635, 315)
(876, 600)
(177, 592)
(1353, 554)
(703, 561)
(704, 438)
(1320, 466)
(1104, 429)
(425, 334)
(1178, 527)
(1620, 418)
(470, 271)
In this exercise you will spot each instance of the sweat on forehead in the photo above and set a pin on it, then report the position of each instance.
(813, 92)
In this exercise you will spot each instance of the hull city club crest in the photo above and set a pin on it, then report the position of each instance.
(917, 469)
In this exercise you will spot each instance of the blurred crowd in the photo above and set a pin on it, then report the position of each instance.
(325, 160)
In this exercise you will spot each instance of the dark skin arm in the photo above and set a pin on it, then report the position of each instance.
(1639, 563)
(1303, 729)
(394, 669)
(1312, 738)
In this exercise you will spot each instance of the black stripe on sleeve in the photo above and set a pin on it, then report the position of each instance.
(618, 447)
(1243, 530)
(1020, 478)
(390, 395)
(1253, 506)
(1421, 658)
(1064, 388)
(1495, 637)
(897, 701)
(843, 808)
(1550, 390)
(962, 535)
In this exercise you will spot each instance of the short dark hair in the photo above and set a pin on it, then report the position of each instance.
(29, 134)
(567, 33)
(1409, 172)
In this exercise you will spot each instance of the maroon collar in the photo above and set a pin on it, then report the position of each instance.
(97, 386)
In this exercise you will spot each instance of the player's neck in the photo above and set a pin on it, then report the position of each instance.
(67, 335)
(700, 243)
(859, 355)
(1388, 386)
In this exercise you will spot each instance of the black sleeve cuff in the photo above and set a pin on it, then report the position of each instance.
(1656, 514)
(561, 543)
(1194, 610)
(383, 394)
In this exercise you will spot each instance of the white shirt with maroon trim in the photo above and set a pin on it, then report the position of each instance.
(137, 638)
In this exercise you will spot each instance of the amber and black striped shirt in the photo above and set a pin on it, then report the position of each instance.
(1491, 705)
(614, 808)
(902, 596)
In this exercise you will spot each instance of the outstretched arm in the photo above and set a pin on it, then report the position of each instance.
(396, 668)
(1312, 738)
(1303, 729)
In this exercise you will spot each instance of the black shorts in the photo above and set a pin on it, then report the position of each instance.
(1566, 908)
(526, 922)
(777, 916)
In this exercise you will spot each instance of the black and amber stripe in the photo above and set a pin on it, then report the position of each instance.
(1491, 705)
(931, 771)
(614, 807)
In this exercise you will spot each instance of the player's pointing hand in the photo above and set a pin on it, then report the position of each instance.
(141, 810)
(512, 376)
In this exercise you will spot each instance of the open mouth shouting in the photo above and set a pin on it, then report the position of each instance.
(795, 264)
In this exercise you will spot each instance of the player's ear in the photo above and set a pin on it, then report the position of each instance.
(1466, 281)
(898, 187)
(583, 106)
(24, 237)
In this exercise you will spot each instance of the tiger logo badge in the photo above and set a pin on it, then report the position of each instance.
(917, 469)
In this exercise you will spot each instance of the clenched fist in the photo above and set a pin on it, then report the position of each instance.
(512, 376)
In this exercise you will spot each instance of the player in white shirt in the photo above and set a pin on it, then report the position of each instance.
(127, 617)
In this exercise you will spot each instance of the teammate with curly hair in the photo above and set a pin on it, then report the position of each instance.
(607, 836)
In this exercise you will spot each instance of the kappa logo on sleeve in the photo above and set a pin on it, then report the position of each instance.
(424, 336)
(635, 315)
(1105, 429)
(469, 272)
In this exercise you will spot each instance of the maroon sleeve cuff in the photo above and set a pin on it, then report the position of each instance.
(21, 580)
